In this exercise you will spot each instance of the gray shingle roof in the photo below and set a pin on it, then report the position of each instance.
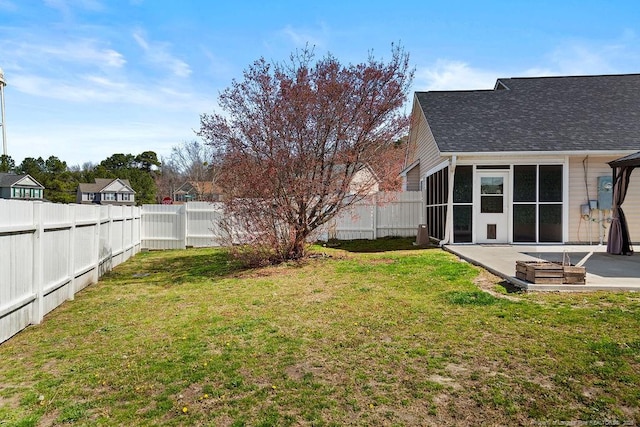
(538, 114)
(99, 184)
(9, 179)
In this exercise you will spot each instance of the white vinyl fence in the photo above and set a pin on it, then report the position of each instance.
(197, 223)
(48, 252)
(396, 214)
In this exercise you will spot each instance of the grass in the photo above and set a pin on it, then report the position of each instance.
(402, 337)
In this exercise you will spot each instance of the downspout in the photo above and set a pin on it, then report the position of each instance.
(448, 225)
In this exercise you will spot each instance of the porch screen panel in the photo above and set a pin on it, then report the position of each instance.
(537, 203)
(550, 203)
(437, 186)
(524, 223)
(462, 223)
(525, 185)
(551, 183)
(550, 223)
(463, 204)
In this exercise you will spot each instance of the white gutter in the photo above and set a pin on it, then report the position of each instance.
(544, 153)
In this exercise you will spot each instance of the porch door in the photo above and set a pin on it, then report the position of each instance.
(491, 201)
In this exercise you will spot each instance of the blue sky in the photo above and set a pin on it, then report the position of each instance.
(90, 78)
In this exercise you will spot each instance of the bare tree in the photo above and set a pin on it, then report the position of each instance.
(294, 136)
(194, 161)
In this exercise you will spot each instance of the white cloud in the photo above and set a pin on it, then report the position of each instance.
(100, 89)
(158, 54)
(571, 57)
(453, 75)
(84, 52)
(577, 57)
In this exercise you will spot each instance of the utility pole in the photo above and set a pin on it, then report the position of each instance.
(4, 127)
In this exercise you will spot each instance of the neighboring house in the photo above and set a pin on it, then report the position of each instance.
(23, 187)
(525, 162)
(106, 191)
(366, 181)
(201, 191)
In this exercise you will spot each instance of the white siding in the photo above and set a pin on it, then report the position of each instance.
(422, 145)
(579, 227)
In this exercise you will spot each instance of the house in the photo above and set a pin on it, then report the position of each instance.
(364, 181)
(201, 191)
(106, 191)
(23, 187)
(526, 162)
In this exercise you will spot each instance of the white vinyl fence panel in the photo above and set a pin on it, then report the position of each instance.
(194, 224)
(388, 214)
(197, 224)
(48, 252)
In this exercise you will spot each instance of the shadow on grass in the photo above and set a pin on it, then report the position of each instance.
(510, 287)
(187, 266)
(385, 244)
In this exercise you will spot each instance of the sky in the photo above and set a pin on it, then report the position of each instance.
(90, 78)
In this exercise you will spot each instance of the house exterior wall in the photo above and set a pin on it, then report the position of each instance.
(583, 229)
(422, 145)
(412, 179)
(364, 180)
(84, 198)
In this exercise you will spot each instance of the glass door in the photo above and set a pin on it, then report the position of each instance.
(491, 203)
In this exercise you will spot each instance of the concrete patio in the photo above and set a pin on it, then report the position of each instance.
(604, 271)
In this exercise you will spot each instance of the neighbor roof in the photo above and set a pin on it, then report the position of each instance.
(9, 179)
(579, 113)
(100, 184)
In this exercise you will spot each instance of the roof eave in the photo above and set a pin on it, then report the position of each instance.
(533, 153)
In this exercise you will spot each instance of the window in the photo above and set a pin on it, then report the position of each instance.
(109, 197)
(126, 197)
(492, 197)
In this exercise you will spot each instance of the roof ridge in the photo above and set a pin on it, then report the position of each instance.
(569, 76)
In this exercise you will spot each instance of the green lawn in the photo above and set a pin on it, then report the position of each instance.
(402, 337)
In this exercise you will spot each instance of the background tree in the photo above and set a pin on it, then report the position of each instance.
(7, 164)
(59, 182)
(391, 164)
(190, 161)
(293, 137)
(139, 170)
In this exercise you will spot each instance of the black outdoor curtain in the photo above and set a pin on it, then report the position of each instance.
(619, 242)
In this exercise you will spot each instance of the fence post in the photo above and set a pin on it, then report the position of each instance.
(71, 216)
(122, 235)
(38, 285)
(96, 238)
(375, 216)
(110, 236)
(186, 224)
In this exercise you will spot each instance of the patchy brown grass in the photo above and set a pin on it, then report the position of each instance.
(403, 337)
